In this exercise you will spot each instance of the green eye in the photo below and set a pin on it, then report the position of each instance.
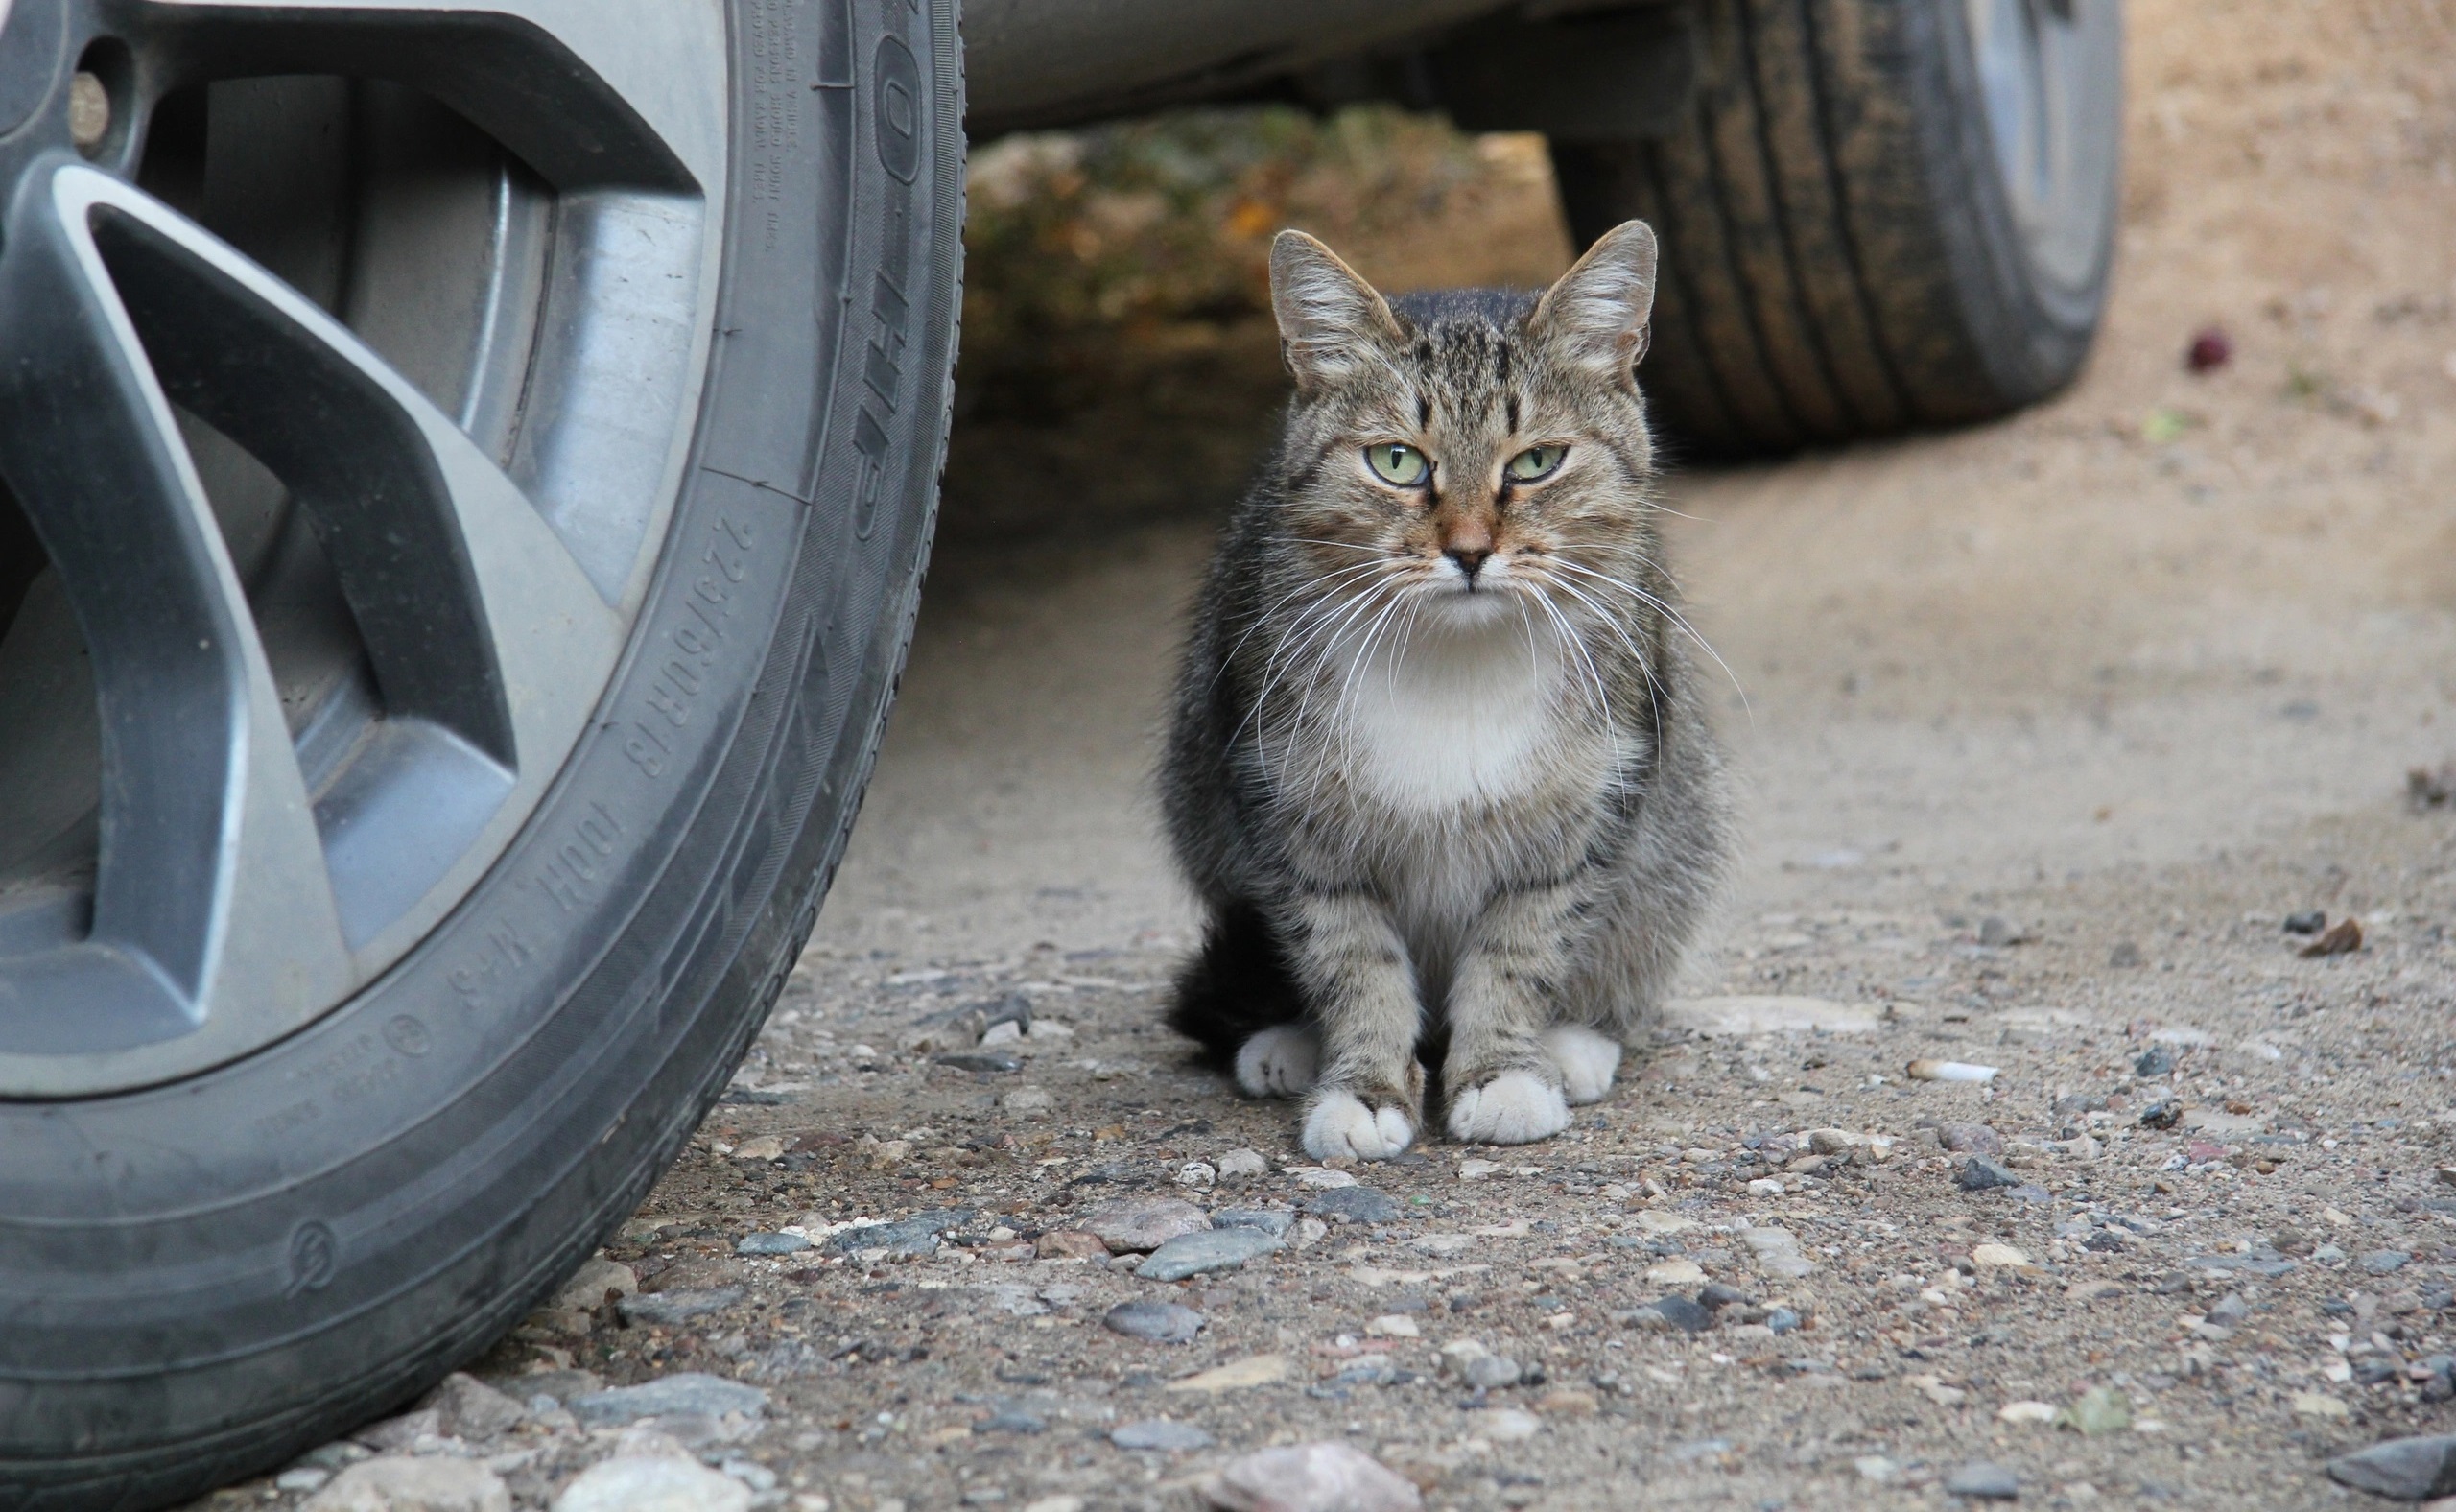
(1399, 466)
(1536, 462)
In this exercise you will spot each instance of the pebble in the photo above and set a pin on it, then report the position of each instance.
(397, 1483)
(467, 1408)
(981, 1060)
(770, 1244)
(1213, 1249)
(1978, 1174)
(1509, 1425)
(913, 1238)
(1393, 1325)
(1675, 1273)
(1027, 1102)
(1011, 1420)
(1717, 1295)
(1162, 1435)
(2384, 1261)
(640, 1484)
(1197, 1174)
(2154, 1062)
(1491, 1372)
(1311, 1477)
(1319, 1179)
(1271, 1221)
(1780, 1320)
(2163, 1113)
(2003, 1256)
(1238, 1164)
(767, 1147)
(2400, 1469)
(587, 1290)
(669, 1307)
(2028, 1412)
(1971, 1139)
(1983, 1481)
(689, 1394)
(2102, 1409)
(305, 1478)
(1160, 1322)
(2306, 921)
(1138, 1225)
(1355, 1205)
(1669, 1313)
(1070, 1245)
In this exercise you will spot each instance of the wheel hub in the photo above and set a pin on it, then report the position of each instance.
(347, 362)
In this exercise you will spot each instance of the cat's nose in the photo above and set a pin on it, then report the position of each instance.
(1470, 559)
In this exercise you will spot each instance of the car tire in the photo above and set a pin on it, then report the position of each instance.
(1876, 215)
(206, 1276)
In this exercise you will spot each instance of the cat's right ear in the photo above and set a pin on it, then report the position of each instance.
(1332, 324)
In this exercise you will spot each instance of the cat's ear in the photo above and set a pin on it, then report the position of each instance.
(1596, 314)
(1332, 324)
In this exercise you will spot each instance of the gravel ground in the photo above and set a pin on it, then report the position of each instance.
(2051, 728)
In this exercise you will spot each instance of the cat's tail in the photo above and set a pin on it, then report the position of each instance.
(1236, 986)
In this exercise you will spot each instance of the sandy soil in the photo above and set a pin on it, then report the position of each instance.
(2046, 727)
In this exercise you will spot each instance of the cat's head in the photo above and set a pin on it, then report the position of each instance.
(1479, 454)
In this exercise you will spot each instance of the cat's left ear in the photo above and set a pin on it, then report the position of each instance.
(1596, 314)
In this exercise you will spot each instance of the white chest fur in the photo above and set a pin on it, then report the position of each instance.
(1452, 718)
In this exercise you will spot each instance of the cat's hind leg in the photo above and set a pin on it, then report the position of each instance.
(1280, 1061)
(1587, 1061)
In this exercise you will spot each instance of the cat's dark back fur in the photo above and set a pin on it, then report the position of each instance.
(1524, 828)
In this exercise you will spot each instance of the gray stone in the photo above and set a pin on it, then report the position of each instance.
(981, 1060)
(770, 1244)
(1138, 1225)
(689, 1394)
(913, 1236)
(1159, 1433)
(1160, 1322)
(1717, 1296)
(1971, 1139)
(1978, 1174)
(2268, 1265)
(2384, 1261)
(1311, 1477)
(1781, 1320)
(1983, 1481)
(1011, 1420)
(394, 1483)
(596, 1277)
(2154, 1061)
(1271, 1221)
(470, 1408)
(1213, 1249)
(2230, 1310)
(1671, 1314)
(669, 1307)
(398, 1435)
(1491, 1372)
(2400, 1469)
(660, 1483)
(1355, 1205)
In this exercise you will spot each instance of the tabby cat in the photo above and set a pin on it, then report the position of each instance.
(1439, 771)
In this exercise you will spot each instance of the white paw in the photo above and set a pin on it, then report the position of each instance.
(1513, 1108)
(1587, 1061)
(1278, 1062)
(1341, 1125)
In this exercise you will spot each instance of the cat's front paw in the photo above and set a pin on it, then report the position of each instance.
(1586, 1061)
(1516, 1107)
(1341, 1123)
(1278, 1062)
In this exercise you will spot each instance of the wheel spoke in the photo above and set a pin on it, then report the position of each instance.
(209, 855)
(588, 92)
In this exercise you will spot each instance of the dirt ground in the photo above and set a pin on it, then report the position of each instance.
(2046, 727)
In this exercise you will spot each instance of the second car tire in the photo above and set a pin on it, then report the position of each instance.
(1876, 216)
